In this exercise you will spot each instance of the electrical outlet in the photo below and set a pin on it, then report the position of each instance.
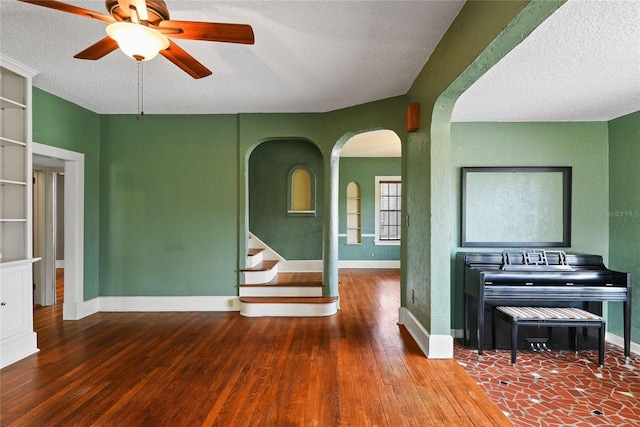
(413, 296)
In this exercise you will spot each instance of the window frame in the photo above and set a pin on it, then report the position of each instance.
(377, 240)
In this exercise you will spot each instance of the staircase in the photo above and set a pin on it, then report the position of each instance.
(266, 292)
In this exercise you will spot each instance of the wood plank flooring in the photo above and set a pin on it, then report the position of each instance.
(357, 368)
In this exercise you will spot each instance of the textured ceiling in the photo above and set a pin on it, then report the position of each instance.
(583, 63)
(310, 56)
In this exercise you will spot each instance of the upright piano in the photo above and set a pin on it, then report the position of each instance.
(536, 278)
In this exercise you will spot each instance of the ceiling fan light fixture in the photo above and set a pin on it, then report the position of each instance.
(137, 41)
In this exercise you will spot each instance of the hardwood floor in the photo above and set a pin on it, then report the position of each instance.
(356, 368)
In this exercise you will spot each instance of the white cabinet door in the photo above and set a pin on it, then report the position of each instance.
(13, 295)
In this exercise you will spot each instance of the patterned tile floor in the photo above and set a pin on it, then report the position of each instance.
(559, 388)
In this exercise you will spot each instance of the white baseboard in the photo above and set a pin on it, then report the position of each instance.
(81, 310)
(172, 303)
(433, 346)
(383, 263)
(59, 263)
(619, 341)
(17, 348)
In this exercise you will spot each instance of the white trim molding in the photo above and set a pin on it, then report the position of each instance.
(169, 303)
(433, 346)
(80, 310)
(73, 305)
(619, 341)
(382, 263)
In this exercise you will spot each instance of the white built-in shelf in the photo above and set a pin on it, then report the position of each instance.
(17, 337)
(354, 233)
(7, 104)
(8, 142)
(7, 181)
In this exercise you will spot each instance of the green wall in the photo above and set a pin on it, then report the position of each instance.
(169, 205)
(61, 124)
(583, 146)
(293, 236)
(364, 171)
(166, 195)
(624, 212)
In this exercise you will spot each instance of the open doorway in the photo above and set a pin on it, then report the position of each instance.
(369, 195)
(48, 230)
(71, 164)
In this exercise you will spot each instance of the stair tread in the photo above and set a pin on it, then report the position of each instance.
(275, 283)
(254, 251)
(288, 300)
(263, 266)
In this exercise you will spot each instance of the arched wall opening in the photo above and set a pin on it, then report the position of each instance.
(295, 235)
(373, 158)
(466, 52)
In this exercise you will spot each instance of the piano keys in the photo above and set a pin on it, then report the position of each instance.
(539, 278)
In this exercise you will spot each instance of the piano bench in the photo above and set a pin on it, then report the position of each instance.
(552, 316)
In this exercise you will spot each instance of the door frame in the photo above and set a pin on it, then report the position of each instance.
(73, 227)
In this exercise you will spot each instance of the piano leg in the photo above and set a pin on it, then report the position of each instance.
(626, 307)
(480, 326)
(601, 343)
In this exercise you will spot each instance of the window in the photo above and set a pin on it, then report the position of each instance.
(388, 209)
(301, 189)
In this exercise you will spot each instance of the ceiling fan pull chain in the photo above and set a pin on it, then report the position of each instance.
(140, 91)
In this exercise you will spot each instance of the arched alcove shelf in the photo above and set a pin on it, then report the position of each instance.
(354, 221)
(301, 186)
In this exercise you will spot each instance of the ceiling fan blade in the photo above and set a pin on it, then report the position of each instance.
(182, 59)
(208, 31)
(98, 50)
(64, 7)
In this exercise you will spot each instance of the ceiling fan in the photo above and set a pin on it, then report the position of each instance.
(142, 29)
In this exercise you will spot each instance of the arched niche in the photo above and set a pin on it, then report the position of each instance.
(301, 195)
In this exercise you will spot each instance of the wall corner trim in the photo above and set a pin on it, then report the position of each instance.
(168, 303)
(433, 346)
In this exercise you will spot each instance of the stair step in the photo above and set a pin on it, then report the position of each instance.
(288, 300)
(271, 289)
(263, 266)
(263, 272)
(254, 257)
(288, 306)
(274, 284)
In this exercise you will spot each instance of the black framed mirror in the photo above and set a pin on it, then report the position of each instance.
(516, 207)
